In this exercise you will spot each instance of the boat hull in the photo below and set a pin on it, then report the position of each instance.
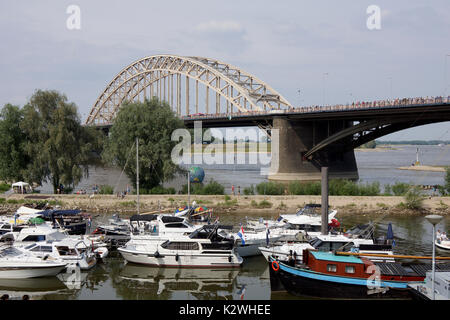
(25, 272)
(313, 285)
(444, 245)
(185, 261)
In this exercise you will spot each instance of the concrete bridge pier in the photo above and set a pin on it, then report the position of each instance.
(296, 138)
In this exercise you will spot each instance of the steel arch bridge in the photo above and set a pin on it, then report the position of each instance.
(235, 89)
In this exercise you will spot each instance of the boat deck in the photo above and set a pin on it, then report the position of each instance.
(419, 269)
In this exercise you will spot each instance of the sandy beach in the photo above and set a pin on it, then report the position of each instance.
(255, 205)
(424, 168)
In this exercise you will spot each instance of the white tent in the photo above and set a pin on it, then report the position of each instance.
(22, 187)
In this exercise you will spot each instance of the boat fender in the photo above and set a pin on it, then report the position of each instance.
(230, 258)
(275, 266)
(157, 254)
(176, 257)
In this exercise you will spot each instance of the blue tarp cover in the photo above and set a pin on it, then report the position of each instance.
(48, 213)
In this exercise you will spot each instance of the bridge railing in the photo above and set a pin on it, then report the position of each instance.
(360, 105)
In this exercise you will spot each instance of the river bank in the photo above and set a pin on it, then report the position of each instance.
(253, 205)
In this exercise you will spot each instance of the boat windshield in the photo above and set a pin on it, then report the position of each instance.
(316, 242)
(30, 246)
(12, 252)
(57, 235)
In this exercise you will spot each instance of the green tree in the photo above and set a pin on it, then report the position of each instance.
(60, 149)
(447, 179)
(370, 145)
(13, 159)
(152, 122)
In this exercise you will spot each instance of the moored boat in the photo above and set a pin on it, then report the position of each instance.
(205, 247)
(15, 264)
(328, 275)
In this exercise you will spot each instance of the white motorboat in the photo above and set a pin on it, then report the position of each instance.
(73, 253)
(151, 228)
(443, 244)
(44, 240)
(329, 242)
(205, 247)
(15, 264)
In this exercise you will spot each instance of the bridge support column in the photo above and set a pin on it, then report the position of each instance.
(296, 138)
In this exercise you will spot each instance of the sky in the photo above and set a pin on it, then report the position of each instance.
(310, 51)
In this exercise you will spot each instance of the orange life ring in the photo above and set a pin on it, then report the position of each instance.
(274, 263)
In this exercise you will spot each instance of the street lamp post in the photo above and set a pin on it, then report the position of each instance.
(445, 75)
(434, 219)
(390, 87)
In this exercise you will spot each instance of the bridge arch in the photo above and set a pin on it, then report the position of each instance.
(239, 89)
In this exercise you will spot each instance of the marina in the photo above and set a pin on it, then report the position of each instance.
(113, 277)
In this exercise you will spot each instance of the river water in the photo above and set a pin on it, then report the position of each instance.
(114, 279)
(381, 165)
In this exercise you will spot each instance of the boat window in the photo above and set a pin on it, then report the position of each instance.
(11, 251)
(339, 245)
(180, 245)
(42, 249)
(66, 251)
(218, 246)
(190, 225)
(349, 269)
(30, 246)
(315, 242)
(331, 268)
(175, 225)
(35, 238)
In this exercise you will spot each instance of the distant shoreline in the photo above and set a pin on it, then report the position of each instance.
(424, 168)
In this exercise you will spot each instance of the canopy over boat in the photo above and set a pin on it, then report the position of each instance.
(143, 217)
(57, 212)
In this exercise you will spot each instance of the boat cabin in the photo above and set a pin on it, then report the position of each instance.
(357, 267)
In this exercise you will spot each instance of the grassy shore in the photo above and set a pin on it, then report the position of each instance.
(255, 205)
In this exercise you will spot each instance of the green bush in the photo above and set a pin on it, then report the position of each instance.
(4, 187)
(271, 188)
(387, 190)
(2, 200)
(308, 188)
(211, 188)
(161, 190)
(414, 198)
(249, 190)
(106, 189)
(343, 187)
(262, 204)
(400, 188)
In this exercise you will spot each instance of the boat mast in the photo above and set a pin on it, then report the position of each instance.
(137, 173)
(189, 189)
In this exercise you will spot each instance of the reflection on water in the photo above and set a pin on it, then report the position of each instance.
(114, 279)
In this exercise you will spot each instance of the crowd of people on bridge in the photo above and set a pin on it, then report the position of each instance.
(390, 103)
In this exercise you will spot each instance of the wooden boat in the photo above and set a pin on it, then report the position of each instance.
(329, 275)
